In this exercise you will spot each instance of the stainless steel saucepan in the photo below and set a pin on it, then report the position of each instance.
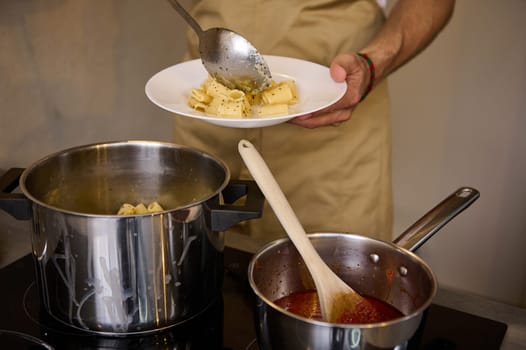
(388, 271)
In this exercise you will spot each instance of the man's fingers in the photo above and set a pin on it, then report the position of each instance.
(333, 118)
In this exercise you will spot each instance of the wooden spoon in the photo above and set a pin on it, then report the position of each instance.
(336, 297)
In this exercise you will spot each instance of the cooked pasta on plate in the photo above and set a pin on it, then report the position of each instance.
(213, 98)
(305, 86)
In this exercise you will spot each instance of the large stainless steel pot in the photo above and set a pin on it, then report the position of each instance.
(111, 274)
(387, 271)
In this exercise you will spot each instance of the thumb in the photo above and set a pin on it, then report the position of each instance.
(343, 65)
(338, 73)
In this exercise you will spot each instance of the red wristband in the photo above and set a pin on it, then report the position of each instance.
(372, 73)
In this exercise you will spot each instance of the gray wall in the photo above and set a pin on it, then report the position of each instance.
(73, 72)
(459, 119)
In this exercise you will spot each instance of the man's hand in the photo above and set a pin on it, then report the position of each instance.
(352, 69)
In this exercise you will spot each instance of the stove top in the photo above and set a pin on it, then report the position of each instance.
(226, 325)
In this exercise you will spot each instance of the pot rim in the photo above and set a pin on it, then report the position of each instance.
(275, 243)
(116, 143)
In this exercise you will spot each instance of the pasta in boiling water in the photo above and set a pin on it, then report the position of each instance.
(216, 99)
(130, 209)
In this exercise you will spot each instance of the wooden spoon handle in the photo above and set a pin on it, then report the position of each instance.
(277, 200)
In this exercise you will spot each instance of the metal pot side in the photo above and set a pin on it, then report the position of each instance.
(127, 275)
(372, 267)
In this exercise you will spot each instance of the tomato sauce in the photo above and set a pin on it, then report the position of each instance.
(371, 310)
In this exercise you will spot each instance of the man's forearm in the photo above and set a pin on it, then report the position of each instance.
(411, 27)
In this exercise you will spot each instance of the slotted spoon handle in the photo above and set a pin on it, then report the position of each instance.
(187, 17)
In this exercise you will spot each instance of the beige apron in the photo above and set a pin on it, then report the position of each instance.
(336, 178)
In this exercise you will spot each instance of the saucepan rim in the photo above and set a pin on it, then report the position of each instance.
(276, 243)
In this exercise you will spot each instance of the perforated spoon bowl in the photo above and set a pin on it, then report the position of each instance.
(229, 57)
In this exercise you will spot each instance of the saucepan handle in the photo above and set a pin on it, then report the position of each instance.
(15, 204)
(224, 216)
(429, 224)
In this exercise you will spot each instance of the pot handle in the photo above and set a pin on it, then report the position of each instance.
(429, 224)
(15, 204)
(224, 216)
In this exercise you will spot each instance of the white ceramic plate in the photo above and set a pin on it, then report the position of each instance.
(170, 88)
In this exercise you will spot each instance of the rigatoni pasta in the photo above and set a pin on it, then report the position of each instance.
(213, 98)
(130, 209)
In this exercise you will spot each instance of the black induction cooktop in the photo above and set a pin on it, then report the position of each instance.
(227, 325)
